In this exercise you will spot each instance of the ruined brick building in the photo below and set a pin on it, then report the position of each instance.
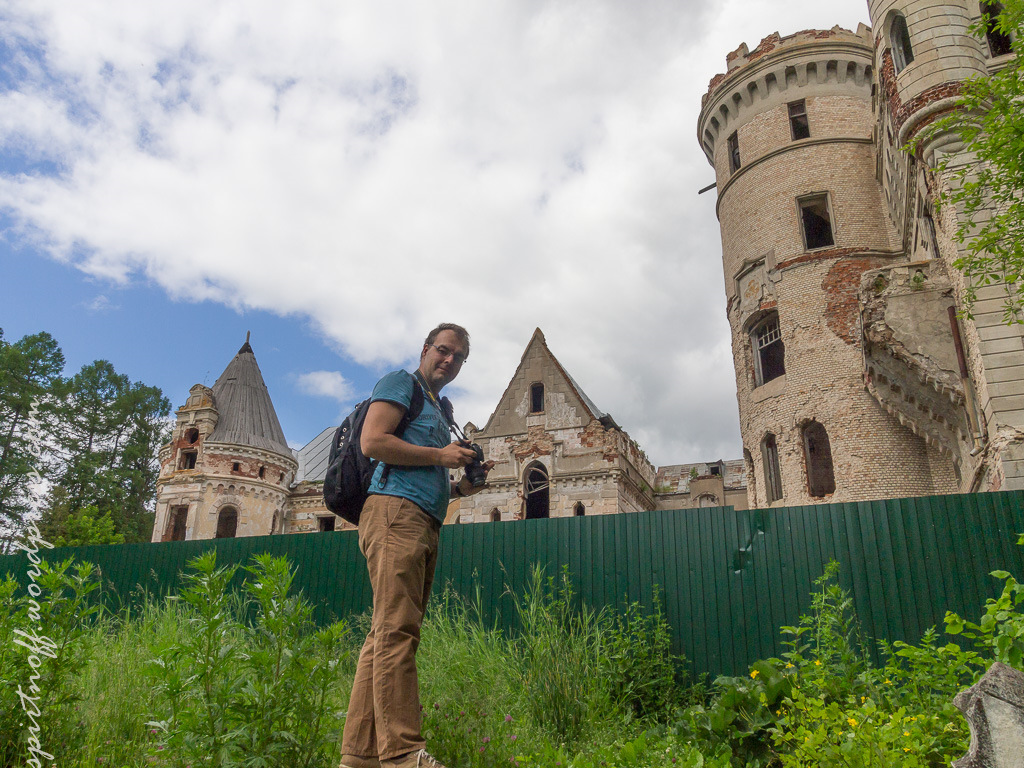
(229, 472)
(855, 379)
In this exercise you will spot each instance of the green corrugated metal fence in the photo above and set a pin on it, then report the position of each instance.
(728, 578)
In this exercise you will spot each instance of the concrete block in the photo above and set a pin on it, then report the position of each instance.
(994, 710)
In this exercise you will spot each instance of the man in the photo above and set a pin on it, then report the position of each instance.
(398, 533)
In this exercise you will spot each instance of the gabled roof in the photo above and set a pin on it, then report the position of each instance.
(246, 415)
(538, 344)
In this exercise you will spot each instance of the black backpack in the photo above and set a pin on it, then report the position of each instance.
(349, 472)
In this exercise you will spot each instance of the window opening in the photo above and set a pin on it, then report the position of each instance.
(537, 398)
(707, 500)
(236, 467)
(715, 469)
(772, 475)
(579, 510)
(798, 125)
(999, 43)
(495, 515)
(227, 523)
(817, 222)
(263, 471)
(188, 460)
(899, 39)
(769, 350)
(326, 523)
(734, 152)
(821, 478)
(192, 436)
(176, 524)
(536, 492)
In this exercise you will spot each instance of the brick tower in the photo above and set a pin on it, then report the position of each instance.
(789, 130)
(924, 51)
(227, 470)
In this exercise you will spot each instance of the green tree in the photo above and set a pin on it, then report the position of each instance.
(107, 435)
(87, 526)
(990, 123)
(30, 370)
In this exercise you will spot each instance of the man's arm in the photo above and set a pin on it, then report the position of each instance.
(378, 441)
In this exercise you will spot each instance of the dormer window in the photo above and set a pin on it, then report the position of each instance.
(188, 460)
(192, 436)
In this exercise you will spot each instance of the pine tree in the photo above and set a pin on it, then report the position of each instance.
(30, 372)
(107, 434)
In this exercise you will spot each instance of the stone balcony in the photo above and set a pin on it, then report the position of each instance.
(910, 361)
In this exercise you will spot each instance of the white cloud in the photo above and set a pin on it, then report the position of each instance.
(380, 167)
(325, 384)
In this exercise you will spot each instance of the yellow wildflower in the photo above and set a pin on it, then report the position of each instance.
(789, 666)
(852, 722)
(906, 733)
(906, 749)
(817, 662)
(753, 674)
(888, 681)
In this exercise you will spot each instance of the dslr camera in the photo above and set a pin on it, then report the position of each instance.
(475, 469)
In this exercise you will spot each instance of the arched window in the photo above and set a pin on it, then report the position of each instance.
(769, 351)
(495, 515)
(707, 500)
(821, 478)
(899, 40)
(999, 43)
(772, 475)
(227, 523)
(536, 491)
(578, 509)
(192, 436)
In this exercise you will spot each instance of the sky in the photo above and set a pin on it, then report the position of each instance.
(337, 178)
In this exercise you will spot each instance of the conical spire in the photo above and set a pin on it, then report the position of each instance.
(246, 413)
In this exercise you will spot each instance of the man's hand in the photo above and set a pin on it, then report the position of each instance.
(468, 489)
(455, 455)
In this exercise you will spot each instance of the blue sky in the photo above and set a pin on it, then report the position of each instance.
(170, 344)
(338, 178)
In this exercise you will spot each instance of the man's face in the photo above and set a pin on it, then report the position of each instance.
(441, 361)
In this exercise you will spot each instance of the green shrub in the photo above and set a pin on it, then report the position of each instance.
(44, 656)
(1001, 629)
(247, 694)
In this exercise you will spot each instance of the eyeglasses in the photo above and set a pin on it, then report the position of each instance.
(457, 357)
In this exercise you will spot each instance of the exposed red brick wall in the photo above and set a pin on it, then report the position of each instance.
(842, 289)
(899, 111)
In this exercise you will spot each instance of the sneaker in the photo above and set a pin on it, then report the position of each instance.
(418, 759)
(351, 761)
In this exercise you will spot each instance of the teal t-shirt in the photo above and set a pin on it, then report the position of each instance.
(426, 487)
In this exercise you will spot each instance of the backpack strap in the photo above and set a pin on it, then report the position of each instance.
(415, 409)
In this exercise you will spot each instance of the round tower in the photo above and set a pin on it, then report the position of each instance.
(924, 53)
(227, 469)
(789, 130)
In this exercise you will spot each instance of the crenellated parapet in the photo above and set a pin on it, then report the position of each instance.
(781, 69)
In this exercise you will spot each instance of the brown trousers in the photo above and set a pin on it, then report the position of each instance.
(399, 541)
